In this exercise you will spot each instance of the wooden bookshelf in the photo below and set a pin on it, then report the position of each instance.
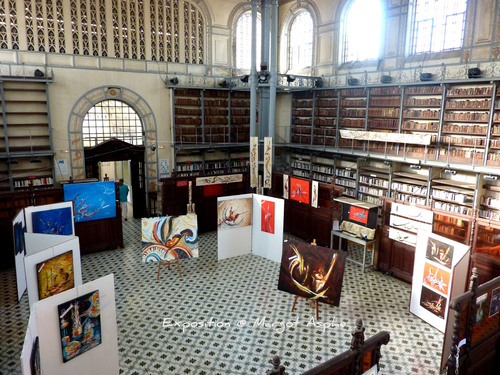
(383, 116)
(325, 117)
(353, 112)
(373, 184)
(302, 117)
(410, 187)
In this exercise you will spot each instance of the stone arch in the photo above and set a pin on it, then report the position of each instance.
(149, 127)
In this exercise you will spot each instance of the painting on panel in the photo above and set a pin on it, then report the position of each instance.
(80, 325)
(314, 194)
(56, 221)
(268, 161)
(55, 275)
(285, 186)
(481, 308)
(169, 238)
(19, 244)
(436, 278)
(439, 252)
(234, 213)
(91, 201)
(299, 190)
(312, 272)
(35, 358)
(267, 216)
(433, 302)
(254, 161)
(495, 302)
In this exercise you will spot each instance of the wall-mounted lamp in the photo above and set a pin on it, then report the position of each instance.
(352, 81)
(425, 77)
(450, 171)
(263, 77)
(490, 177)
(416, 166)
(245, 78)
(318, 82)
(290, 78)
(385, 78)
(174, 81)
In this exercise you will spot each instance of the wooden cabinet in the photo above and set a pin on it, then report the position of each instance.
(402, 259)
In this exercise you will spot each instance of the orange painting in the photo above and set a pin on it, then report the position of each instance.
(299, 190)
(55, 275)
(436, 278)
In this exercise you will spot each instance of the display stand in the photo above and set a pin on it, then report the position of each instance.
(169, 263)
(368, 245)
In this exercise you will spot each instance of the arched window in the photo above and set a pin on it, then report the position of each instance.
(362, 30)
(244, 41)
(111, 119)
(438, 25)
(301, 41)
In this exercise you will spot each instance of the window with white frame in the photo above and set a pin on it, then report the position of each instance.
(301, 41)
(362, 30)
(438, 25)
(244, 41)
(111, 119)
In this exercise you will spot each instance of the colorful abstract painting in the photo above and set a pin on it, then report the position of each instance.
(299, 190)
(80, 325)
(267, 216)
(91, 201)
(436, 278)
(312, 272)
(433, 302)
(440, 252)
(169, 238)
(234, 213)
(56, 221)
(55, 275)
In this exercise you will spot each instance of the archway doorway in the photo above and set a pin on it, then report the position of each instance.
(115, 150)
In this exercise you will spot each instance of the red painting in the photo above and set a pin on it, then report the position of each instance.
(358, 214)
(299, 190)
(267, 216)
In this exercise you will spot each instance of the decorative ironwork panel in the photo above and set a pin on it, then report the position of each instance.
(125, 30)
(60, 26)
(116, 28)
(153, 19)
(132, 28)
(176, 28)
(30, 37)
(85, 27)
(102, 28)
(140, 23)
(94, 29)
(14, 28)
(51, 31)
(75, 35)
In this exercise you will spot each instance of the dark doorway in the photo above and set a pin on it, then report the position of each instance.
(117, 150)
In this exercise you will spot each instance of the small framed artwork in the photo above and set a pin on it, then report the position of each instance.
(55, 275)
(495, 302)
(299, 190)
(80, 325)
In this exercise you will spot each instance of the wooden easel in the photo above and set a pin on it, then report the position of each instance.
(312, 303)
(169, 263)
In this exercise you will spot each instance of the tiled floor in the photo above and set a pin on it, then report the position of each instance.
(228, 301)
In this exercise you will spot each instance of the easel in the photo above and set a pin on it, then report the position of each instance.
(312, 303)
(175, 261)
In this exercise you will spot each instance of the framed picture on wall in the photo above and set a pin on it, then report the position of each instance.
(299, 190)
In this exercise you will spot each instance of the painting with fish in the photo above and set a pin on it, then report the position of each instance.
(54, 221)
(80, 325)
(312, 271)
(92, 200)
(169, 238)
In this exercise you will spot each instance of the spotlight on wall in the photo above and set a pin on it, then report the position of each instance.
(245, 78)
(174, 81)
(416, 166)
(153, 148)
(113, 91)
(352, 81)
(450, 171)
(39, 73)
(490, 177)
(318, 82)
(290, 78)
(263, 77)
(263, 66)
(425, 77)
(385, 79)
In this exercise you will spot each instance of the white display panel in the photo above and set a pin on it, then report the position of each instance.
(29, 211)
(18, 224)
(439, 275)
(101, 359)
(266, 244)
(233, 239)
(27, 351)
(67, 243)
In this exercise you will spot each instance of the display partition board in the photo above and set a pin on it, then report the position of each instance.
(234, 225)
(101, 359)
(18, 231)
(54, 219)
(33, 263)
(267, 228)
(250, 223)
(27, 353)
(439, 275)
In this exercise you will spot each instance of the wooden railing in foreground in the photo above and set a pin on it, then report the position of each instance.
(475, 339)
(361, 356)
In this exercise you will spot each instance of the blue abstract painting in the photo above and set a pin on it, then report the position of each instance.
(56, 221)
(92, 200)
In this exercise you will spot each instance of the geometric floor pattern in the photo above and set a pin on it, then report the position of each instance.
(228, 317)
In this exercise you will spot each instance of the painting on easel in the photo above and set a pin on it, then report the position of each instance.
(313, 272)
(55, 275)
(80, 325)
(169, 238)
